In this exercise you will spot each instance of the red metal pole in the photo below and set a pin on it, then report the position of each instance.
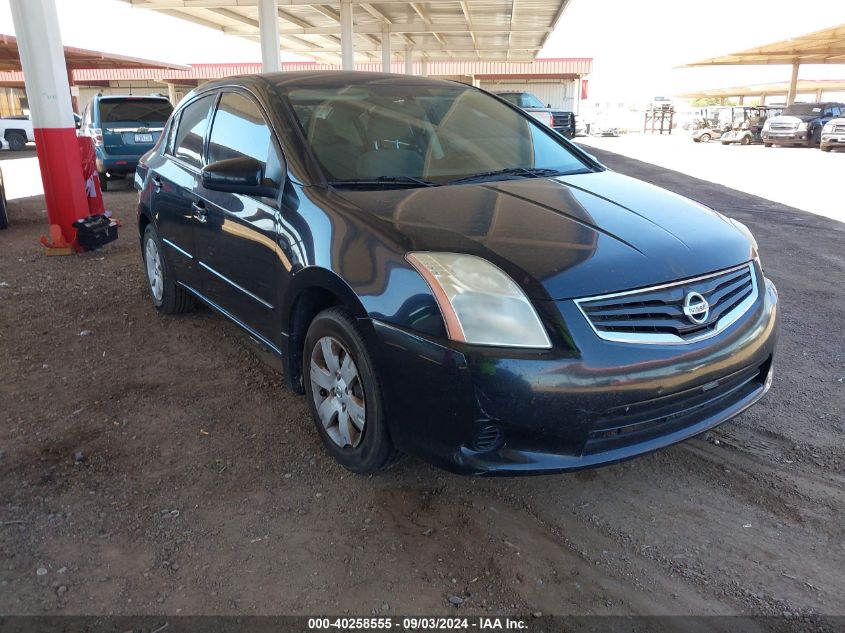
(48, 92)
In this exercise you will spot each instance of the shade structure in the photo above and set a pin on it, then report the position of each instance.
(494, 30)
(79, 58)
(821, 47)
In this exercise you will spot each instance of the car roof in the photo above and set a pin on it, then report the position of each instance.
(283, 81)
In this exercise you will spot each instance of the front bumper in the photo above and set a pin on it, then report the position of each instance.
(833, 140)
(480, 410)
(785, 138)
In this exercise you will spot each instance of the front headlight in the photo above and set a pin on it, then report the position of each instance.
(767, 125)
(828, 127)
(480, 303)
(802, 127)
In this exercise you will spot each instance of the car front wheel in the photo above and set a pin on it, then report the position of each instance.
(345, 394)
(167, 296)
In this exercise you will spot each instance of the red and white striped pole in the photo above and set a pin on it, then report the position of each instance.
(45, 75)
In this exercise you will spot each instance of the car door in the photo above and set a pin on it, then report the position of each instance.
(242, 259)
(175, 178)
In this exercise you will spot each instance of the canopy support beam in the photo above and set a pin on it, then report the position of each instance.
(268, 27)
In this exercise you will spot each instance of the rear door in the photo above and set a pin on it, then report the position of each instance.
(241, 255)
(174, 181)
(131, 125)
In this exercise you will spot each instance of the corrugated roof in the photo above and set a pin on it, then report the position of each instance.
(822, 47)
(77, 58)
(493, 30)
(756, 90)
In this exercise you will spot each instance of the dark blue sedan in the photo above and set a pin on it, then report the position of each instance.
(443, 276)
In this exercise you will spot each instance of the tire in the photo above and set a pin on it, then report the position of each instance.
(4, 214)
(746, 140)
(824, 148)
(704, 138)
(333, 340)
(726, 143)
(815, 138)
(167, 296)
(16, 141)
(104, 181)
(767, 144)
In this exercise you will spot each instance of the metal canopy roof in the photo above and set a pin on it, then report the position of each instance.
(493, 30)
(774, 89)
(78, 58)
(822, 47)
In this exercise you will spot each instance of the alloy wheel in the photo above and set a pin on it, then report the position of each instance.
(338, 392)
(155, 275)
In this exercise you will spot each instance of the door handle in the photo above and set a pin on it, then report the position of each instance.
(200, 212)
(157, 183)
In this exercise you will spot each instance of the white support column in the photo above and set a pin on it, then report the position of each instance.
(48, 92)
(386, 57)
(268, 27)
(793, 84)
(171, 94)
(423, 66)
(346, 34)
(409, 61)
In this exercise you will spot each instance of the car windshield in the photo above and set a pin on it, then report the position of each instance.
(135, 109)
(803, 109)
(419, 134)
(522, 99)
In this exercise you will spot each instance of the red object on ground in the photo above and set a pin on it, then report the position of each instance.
(61, 173)
(89, 173)
(584, 87)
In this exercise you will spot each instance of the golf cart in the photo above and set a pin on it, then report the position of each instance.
(748, 131)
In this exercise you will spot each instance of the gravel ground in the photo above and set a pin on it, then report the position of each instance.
(156, 465)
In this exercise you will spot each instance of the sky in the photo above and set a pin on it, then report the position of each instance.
(636, 44)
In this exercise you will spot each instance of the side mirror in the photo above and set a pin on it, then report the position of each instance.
(243, 175)
(548, 105)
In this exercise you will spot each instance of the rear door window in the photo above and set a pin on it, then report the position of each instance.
(190, 134)
(135, 110)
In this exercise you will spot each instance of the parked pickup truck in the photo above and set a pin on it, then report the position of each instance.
(561, 120)
(16, 132)
(800, 124)
(833, 134)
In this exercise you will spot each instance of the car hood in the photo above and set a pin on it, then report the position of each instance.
(565, 237)
(794, 118)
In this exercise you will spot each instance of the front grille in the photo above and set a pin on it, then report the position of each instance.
(839, 129)
(784, 127)
(562, 119)
(656, 315)
(641, 421)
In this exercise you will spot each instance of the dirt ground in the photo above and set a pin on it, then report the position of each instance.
(157, 465)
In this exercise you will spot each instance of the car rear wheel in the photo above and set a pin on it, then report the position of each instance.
(824, 148)
(104, 181)
(705, 138)
(16, 141)
(344, 393)
(167, 296)
(4, 215)
(746, 140)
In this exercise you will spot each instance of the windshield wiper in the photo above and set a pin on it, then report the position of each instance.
(526, 172)
(384, 180)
